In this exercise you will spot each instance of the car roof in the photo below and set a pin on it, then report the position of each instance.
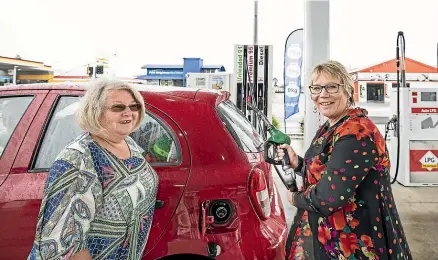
(196, 94)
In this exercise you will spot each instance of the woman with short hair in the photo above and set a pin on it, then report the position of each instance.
(346, 209)
(100, 192)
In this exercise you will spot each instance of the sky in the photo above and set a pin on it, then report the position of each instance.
(68, 34)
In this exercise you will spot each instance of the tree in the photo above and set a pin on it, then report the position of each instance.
(302, 125)
(275, 122)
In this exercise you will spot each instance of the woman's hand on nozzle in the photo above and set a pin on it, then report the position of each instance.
(293, 157)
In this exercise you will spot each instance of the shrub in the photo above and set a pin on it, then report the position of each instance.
(302, 125)
(275, 122)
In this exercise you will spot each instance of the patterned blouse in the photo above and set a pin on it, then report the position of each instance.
(94, 201)
(346, 209)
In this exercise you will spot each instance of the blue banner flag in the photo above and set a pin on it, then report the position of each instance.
(293, 60)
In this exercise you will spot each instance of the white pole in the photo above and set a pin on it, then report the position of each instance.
(316, 49)
(14, 77)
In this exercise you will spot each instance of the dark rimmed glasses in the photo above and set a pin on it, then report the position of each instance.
(330, 88)
(120, 107)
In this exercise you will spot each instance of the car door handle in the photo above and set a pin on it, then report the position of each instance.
(159, 204)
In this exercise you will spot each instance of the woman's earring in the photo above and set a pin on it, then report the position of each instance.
(315, 109)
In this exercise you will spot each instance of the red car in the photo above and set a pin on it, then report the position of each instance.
(216, 194)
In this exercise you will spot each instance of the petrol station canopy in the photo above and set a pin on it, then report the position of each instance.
(27, 71)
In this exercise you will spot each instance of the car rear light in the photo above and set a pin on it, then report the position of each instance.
(258, 193)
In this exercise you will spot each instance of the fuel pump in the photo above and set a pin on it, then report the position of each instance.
(414, 143)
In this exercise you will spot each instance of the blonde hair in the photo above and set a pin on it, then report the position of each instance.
(338, 71)
(93, 104)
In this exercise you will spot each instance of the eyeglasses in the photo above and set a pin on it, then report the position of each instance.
(330, 88)
(120, 107)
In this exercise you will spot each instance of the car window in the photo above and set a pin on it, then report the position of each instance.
(243, 132)
(157, 141)
(62, 129)
(11, 111)
(153, 137)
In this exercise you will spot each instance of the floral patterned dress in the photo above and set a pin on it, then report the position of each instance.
(346, 209)
(94, 201)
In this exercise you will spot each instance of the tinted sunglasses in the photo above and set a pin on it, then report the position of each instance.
(121, 107)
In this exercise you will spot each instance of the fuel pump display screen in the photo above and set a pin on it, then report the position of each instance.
(428, 96)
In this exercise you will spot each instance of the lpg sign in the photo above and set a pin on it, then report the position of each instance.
(423, 160)
(429, 161)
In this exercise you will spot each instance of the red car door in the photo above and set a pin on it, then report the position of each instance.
(18, 113)
(52, 128)
(55, 129)
(173, 173)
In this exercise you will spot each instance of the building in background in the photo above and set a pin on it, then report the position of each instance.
(374, 84)
(86, 72)
(175, 75)
(20, 71)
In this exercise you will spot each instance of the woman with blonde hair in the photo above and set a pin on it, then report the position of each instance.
(100, 192)
(346, 209)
